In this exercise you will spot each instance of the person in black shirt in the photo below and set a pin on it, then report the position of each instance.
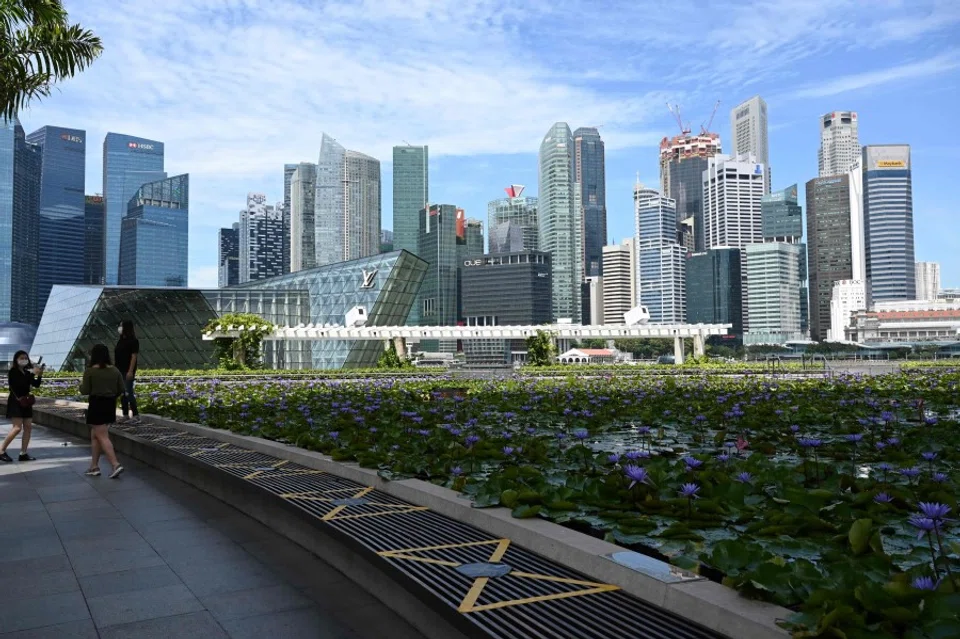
(21, 381)
(126, 354)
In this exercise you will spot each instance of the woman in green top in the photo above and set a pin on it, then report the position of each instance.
(103, 383)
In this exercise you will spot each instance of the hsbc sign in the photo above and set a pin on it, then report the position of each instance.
(138, 145)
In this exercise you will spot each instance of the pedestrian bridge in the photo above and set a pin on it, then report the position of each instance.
(400, 334)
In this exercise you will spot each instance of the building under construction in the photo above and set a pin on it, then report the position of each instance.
(683, 159)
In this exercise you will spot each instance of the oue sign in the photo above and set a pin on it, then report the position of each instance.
(472, 262)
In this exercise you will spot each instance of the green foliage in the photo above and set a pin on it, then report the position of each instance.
(391, 360)
(540, 349)
(645, 348)
(243, 352)
(39, 47)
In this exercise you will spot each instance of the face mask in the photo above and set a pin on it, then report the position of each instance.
(22, 363)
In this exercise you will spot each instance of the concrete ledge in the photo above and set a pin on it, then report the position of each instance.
(704, 602)
(367, 570)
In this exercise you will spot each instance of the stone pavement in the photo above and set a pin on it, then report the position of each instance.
(148, 556)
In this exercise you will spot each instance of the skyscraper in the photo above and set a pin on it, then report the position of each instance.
(128, 163)
(835, 238)
(713, 291)
(347, 208)
(620, 264)
(505, 238)
(20, 169)
(782, 220)
(773, 287)
(748, 127)
(732, 190)
(928, 280)
(62, 208)
(520, 212)
(439, 295)
(888, 222)
(660, 271)
(94, 224)
(261, 239)
(839, 143)
(590, 168)
(229, 256)
(559, 219)
(411, 194)
(303, 232)
(153, 236)
(683, 159)
(288, 241)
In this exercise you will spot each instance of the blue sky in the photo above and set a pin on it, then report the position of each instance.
(235, 88)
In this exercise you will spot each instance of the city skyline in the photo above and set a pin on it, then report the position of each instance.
(488, 135)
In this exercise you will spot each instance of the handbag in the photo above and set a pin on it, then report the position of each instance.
(26, 401)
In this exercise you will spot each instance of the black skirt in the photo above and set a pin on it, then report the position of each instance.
(102, 410)
(15, 410)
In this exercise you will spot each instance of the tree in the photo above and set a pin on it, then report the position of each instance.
(245, 350)
(593, 343)
(38, 48)
(390, 359)
(540, 349)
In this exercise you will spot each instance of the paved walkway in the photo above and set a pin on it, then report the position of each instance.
(148, 556)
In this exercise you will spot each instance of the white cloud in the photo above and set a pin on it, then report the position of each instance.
(911, 71)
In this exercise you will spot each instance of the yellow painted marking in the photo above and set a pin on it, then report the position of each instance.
(336, 511)
(561, 580)
(500, 551)
(219, 447)
(333, 513)
(425, 560)
(467, 544)
(257, 473)
(519, 602)
(314, 495)
(469, 602)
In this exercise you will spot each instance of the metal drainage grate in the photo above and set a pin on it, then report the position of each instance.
(504, 591)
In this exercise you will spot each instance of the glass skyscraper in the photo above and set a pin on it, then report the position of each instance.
(93, 261)
(287, 208)
(591, 176)
(261, 239)
(888, 222)
(411, 193)
(683, 159)
(559, 220)
(438, 246)
(713, 291)
(303, 233)
(128, 163)
(62, 240)
(153, 238)
(519, 213)
(660, 271)
(20, 168)
(229, 256)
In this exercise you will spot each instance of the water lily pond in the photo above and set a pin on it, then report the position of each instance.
(835, 497)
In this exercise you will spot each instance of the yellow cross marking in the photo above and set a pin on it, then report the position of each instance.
(469, 603)
(313, 495)
(407, 509)
(257, 473)
(219, 448)
(333, 513)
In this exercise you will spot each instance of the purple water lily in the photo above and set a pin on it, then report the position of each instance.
(744, 477)
(933, 510)
(581, 434)
(926, 583)
(456, 471)
(471, 440)
(692, 463)
(882, 498)
(925, 525)
(689, 490)
(928, 456)
(613, 458)
(636, 475)
(853, 438)
(508, 450)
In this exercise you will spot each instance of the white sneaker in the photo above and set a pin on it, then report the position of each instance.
(116, 472)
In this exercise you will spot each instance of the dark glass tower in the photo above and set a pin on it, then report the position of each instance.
(591, 175)
(20, 166)
(62, 240)
(128, 163)
(93, 261)
(153, 238)
(888, 222)
(229, 256)
(714, 294)
(411, 193)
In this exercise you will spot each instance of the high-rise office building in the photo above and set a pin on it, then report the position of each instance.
(713, 291)
(591, 300)
(20, 170)
(261, 239)
(559, 220)
(835, 242)
(590, 174)
(506, 237)
(154, 235)
(288, 241)
(129, 162)
(347, 207)
(95, 227)
(303, 237)
(620, 264)
(732, 191)
(888, 222)
(229, 256)
(660, 269)
(439, 294)
(683, 159)
(847, 296)
(411, 194)
(773, 286)
(928, 280)
(62, 208)
(469, 235)
(782, 221)
(520, 212)
(386, 241)
(839, 143)
(748, 128)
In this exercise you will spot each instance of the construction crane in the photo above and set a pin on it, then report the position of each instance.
(675, 112)
(706, 129)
